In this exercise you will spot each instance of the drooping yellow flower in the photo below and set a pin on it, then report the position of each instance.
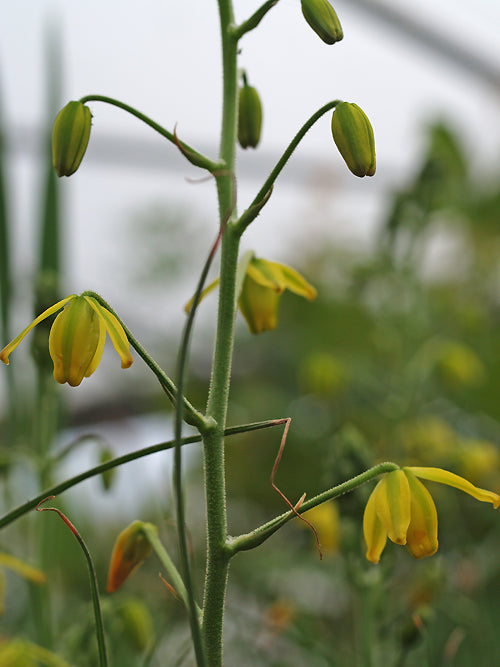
(260, 289)
(77, 337)
(401, 508)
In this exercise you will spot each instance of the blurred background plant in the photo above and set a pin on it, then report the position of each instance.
(398, 358)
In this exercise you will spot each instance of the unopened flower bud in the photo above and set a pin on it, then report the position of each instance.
(131, 549)
(353, 135)
(323, 20)
(249, 117)
(70, 137)
(107, 476)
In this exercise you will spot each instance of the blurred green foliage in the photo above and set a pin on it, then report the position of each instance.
(398, 358)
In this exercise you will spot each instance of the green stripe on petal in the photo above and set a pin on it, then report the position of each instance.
(267, 274)
(115, 331)
(392, 502)
(449, 478)
(4, 354)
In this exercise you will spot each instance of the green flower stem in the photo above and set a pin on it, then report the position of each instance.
(101, 642)
(210, 424)
(251, 23)
(213, 441)
(261, 534)
(263, 195)
(56, 490)
(174, 578)
(190, 414)
(189, 153)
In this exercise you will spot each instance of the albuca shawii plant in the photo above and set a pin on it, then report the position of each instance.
(400, 507)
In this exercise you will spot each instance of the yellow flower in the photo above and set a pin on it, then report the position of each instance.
(261, 284)
(401, 508)
(77, 338)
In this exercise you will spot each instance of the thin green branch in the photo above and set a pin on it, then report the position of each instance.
(99, 626)
(189, 153)
(190, 414)
(250, 24)
(177, 472)
(174, 577)
(261, 534)
(56, 490)
(264, 193)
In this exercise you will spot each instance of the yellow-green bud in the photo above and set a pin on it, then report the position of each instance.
(70, 137)
(323, 20)
(353, 135)
(249, 117)
(107, 476)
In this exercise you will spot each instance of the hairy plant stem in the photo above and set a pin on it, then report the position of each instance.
(213, 441)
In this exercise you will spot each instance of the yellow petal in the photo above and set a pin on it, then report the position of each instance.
(207, 290)
(392, 502)
(373, 530)
(4, 354)
(115, 331)
(267, 274)
(96, 359)
(22, 568)
(259, 306)
(297, 283)
(421, 537)
(449, 478)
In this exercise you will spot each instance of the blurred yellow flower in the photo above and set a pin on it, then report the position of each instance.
(325, 519)
(428, 439)
(459, 366)
(77, 337)
(479, 460)
(401, 508)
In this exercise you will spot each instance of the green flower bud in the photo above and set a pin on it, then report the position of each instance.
(70, 137)
(249, 117)
(323, 20)
(107, 476)
(353, 136)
